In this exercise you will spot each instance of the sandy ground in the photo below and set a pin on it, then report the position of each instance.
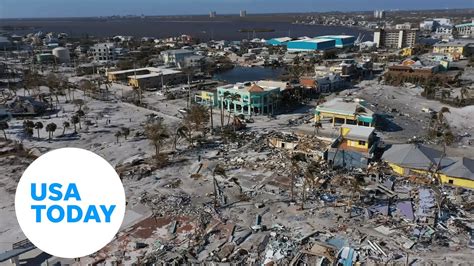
(408, 115)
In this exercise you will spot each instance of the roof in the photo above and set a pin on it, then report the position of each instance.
(272, 84)
(259, 86)
(314, 40)
(336, 36)
(358, 132)
(469, 24)
(281, 39)
(4, 39)
(345, 106)
(456, 43)
(462, 168)
(256, 88)
(178, 51)
(414, 156)
(157, 70)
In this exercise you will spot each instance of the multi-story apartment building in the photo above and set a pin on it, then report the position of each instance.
(395, 38)
(103, 52)
(465, 30)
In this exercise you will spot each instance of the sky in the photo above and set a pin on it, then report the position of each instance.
(85, 8)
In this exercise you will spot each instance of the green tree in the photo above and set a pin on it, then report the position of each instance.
(117, 135)
(53, 82)
(196, 119)
(66, 125)
(157, 133)
(75, 120)
(38, 126)
(50, 128)
(4, 126)
(125, 132)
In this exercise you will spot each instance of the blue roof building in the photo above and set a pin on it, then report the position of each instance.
(278, 41)
(312, 44)
(341, 40)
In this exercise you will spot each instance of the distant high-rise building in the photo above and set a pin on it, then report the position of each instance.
(212, 14)
(379, 14)
(395, 38)
(243, 13)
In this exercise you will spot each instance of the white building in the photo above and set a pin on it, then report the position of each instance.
(443, 21)
(465, 30)
(176, 57)
(103, 52)
(243, 13)
(427, 25)
(444, 31)
(403, 26)
(61, 54)
(379, 14)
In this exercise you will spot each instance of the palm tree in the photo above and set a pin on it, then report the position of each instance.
(441, 114)
(223, 98)
(4, 126)
(125, 132)
(80, 113)
(464, 93)
(196, 119)
(50, 128)
(79, 103)
(182, 132)
(232, 97)
(30, 81)
(53, 83)
(118, 134)
(28, 131)
(156, 132)
(75, 120)
(38, 126)
(65, 125)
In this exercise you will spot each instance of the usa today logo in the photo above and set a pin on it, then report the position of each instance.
(70, 203)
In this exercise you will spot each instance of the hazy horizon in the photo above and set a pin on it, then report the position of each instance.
(94, 8)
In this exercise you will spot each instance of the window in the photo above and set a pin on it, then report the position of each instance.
(361, 142)
(451, 181)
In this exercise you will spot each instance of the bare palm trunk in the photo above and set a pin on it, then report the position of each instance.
(303, 199)
(292, 187)
(222, 115)
(212, 122)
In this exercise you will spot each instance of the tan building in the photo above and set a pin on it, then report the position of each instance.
(458, 49)
(395, 38)
(149, 77)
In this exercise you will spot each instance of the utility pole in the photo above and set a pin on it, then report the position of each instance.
(212, 118)
(189, 92)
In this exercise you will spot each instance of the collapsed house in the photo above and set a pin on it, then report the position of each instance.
(25, 106)
(417, 159)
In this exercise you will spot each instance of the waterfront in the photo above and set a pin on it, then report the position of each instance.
(202, 29)
(242, 74)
